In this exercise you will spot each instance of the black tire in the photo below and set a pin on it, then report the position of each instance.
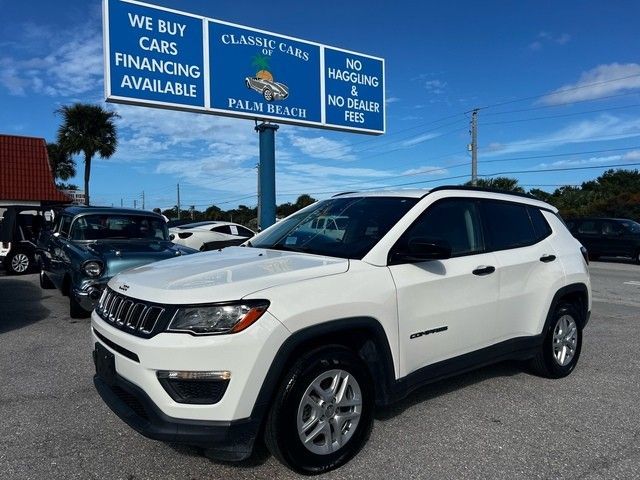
(637, 257)
(281, 429)
(545, 363)
(45, 282)
(267, 94)
(18, 263)
(75, 309)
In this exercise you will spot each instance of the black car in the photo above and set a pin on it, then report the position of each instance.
(20, 226)
(612, 237)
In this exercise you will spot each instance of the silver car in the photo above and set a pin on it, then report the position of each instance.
(270, 90)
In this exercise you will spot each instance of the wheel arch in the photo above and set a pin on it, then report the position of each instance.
(576, 294)
(364, 335)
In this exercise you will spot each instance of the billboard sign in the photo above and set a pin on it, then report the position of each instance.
(164, 58)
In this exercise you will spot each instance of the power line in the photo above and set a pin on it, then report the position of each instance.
(561, 115)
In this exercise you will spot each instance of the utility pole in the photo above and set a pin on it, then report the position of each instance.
(121, 203)
(474, 147)
(143, 199)
(135, 202)
(178, 201)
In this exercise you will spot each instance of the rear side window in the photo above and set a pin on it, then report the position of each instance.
(508, 225)
(540, 226)
(455, 221)
(222, 229)
(588, 226)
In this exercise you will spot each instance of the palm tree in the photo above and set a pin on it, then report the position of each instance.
(89, 129)
(62, 165)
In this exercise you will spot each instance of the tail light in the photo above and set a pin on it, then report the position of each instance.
(585, 254)
(6, 245)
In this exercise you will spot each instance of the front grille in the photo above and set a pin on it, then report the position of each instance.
(131, 401)
(129, 314)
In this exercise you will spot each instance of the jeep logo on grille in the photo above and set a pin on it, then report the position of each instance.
(124, 287)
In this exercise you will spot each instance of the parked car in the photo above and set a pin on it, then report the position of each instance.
(298, 336)
(89, 245)
(210, 235)
(20, 226)
(613, 237)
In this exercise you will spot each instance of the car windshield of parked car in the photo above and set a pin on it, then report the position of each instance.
(118, 227)
(631, 226)
(338, 227)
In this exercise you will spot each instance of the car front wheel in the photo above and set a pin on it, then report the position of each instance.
(323, 411)
(267, 94)
(45, 281)
(75, 309)
(560, 350)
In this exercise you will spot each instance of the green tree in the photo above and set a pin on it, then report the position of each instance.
(89, 129)
(540, 194)
(499, 183)
(62, 165)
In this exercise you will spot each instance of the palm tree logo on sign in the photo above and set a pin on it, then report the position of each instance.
(263, 81)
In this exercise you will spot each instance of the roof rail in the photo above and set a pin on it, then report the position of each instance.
(343, 193)
(482, 189)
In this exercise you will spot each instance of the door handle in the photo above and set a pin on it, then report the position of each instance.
(484, 270)
(547, 258)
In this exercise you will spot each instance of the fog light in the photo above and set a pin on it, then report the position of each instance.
(185, 375)
(204, 388)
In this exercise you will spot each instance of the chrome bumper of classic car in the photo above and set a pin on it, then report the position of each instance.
(89, 294)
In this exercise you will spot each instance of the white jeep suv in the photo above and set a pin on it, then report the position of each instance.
(296, 336)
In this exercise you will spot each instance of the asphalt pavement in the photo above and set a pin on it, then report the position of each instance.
(495, 423)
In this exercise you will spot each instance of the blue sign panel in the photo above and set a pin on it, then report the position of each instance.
(353, 90)
(263, 74)
(155, 56)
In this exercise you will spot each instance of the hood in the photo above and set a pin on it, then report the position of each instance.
(229, 274)
(119, 256)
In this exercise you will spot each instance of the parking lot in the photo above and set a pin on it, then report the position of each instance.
(498, 422)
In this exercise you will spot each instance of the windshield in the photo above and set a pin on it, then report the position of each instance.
(118, 227)
(338, 227)
(633, 227)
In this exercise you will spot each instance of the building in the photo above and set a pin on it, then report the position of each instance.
(25, 173)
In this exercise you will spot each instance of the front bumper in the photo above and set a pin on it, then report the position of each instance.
(88, 295)
(231, 440)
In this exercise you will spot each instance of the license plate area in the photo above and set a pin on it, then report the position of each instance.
(105, 364)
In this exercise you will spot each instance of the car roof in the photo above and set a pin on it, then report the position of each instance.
(79, 210)
(420, 193)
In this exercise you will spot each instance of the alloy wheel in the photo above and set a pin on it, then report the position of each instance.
(565, 340)
(20, 263)
(329, 412)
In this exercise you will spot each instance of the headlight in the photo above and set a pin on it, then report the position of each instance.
(216, 319)
(92, 268)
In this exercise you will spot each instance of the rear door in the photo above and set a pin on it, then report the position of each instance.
(529, 272)
(613, 235)
(446, 307)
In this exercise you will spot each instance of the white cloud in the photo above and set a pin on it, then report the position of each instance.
(426, 170)
(631, 156)
(605, 127)
(435, 87)
(322, 147)
(600, 81)
(419, 139)
(392, 100)
(67, 69)
(546, 38)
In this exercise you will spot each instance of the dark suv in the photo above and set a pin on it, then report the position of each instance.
(615, 237)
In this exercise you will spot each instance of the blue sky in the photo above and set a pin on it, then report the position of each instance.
(560, 82)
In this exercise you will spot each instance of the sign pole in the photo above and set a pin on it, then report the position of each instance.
(267, 175)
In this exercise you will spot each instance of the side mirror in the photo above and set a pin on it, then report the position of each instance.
(422, 249)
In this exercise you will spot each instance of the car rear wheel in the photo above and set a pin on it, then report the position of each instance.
(18, 263)
(637, 257)
(267, 94)
(560, 350)
(323, 411)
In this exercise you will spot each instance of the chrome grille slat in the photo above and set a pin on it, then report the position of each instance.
(129, 314)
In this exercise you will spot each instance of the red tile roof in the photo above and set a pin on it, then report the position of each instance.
(25, 173)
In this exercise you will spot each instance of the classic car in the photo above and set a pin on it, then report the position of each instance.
(269, 90)
(89, 245)
(20, 226)
(210, 235)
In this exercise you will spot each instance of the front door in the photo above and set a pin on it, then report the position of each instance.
(446, 307)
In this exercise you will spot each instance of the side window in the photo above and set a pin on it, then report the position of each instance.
(64, 225)
(222, 229)
(588, 226)
(508, 225)
(244, 232)
(454, 221)
(540, 225)
(611, 228)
